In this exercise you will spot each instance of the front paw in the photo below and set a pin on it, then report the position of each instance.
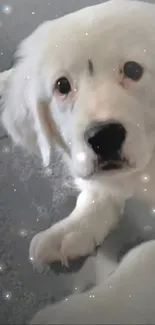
(60, 244)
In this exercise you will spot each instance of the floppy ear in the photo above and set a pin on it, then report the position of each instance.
(26, 111)
(4, 76)
(22, 114)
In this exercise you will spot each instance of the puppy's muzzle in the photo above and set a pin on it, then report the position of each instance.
(106, 140)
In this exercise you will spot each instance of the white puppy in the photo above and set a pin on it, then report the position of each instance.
(87, 82)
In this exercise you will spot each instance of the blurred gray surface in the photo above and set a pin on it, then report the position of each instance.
(32, 198)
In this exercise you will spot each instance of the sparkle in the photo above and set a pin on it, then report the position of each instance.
(153, 210)
(2, 53)
(138, 125)
(7, 9)
(93, 201)
(144, 50)
(33, 13)
(130, 296)
(7, 295)
(145, 178)
(76, 289)
(15, 190)
(86, 34)
(145, 190)
(91, 296)
(23, 233)
(2, 268)
(31, 258)
(6, 149)
(110, 287)
(75, 85)
(66, 299)
(81, 156)
(66, 184)
(48, 172)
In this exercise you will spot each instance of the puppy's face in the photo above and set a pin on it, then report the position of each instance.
(88, 80)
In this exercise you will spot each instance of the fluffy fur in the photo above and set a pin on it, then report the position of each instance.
(35, 115)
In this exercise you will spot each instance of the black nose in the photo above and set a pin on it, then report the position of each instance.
(106, 139)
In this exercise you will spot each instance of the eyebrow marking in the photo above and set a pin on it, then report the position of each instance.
(90, 67)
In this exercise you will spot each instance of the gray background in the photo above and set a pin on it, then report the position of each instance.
(32, 198)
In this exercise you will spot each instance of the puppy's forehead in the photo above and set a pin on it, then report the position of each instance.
(103, 32)
(108, 18)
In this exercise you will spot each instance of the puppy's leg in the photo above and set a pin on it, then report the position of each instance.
(89, 223)
(127, 297)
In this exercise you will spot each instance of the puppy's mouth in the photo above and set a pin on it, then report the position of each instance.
(111, 165)
(115, 163)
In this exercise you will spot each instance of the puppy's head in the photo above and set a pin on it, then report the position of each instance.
(87, 81)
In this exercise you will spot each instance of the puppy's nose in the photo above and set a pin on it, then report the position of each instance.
(106, 139)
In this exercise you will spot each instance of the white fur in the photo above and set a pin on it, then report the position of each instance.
(34, 115)
(126, 298)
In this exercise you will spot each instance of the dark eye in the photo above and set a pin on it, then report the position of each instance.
(133, 70)
(63, 86)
